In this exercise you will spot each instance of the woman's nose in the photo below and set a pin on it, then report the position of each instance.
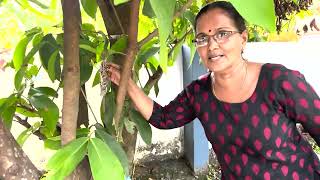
(212, 43)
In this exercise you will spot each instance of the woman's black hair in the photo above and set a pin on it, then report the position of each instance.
(229, 9)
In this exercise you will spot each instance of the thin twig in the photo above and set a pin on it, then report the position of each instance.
(85, 97)
(117, 17)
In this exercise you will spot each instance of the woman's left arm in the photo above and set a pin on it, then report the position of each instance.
(301, 102)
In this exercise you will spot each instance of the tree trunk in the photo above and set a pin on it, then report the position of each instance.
(71, 70)
(14, 164)
(71, 90)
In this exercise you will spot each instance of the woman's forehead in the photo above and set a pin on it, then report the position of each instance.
(213, 20)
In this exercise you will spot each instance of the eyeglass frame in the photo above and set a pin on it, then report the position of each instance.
(214, 37)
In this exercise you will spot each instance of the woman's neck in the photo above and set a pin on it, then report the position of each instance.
(232, 77)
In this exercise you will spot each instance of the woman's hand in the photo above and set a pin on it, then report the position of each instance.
(113, 73)
(141, 101)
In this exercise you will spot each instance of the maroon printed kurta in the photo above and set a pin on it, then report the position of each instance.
(258, 138)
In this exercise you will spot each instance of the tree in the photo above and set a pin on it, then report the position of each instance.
(78, 47)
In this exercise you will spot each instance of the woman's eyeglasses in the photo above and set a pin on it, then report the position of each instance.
(219, 37)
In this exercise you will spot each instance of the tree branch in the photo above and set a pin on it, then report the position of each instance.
(126, 70)
(156, 31)
(27, 125)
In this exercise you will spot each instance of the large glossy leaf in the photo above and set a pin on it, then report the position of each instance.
(145, 54)
(190, 17)
(24, 136)
(142, 124)
(19, 77)
(147, 9)
(120, 45)
(54, 143)
(19, 52)
(47, 109)
(103, 162)
(26, 112)
(117, 2)
(257, 12)
(115, 147)
(48, 91)
(85, 69)
(50, 46)
(90, 7)
(52, 65)
(7, 116)
(164, 10)
(107, 110)
(96, 79)
(64, 161)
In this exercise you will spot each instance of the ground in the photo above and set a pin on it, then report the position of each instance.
(174, 169)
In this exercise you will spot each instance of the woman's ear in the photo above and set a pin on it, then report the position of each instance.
(244, 36)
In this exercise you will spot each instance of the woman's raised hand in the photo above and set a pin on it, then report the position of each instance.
(113, 73)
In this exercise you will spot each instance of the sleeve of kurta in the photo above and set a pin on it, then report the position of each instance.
(301, 102)
(176, 114)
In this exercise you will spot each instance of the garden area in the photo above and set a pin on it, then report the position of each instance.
(62, 118)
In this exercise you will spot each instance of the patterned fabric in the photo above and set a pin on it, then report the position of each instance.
(258, 138)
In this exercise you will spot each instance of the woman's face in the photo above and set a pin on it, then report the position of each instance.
(219, 56)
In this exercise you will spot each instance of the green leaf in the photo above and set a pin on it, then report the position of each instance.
(143, 56)
(96, 79)
(7, 116)
(90, 7)
(49, 47)
(147, 9)
(117, 2)
(190, 17)
(43, 91)
(52, 144)
(107, 110)
(37, 39)
(296, 2)
(32, 71)
(120, 45)
(260, 13)
(88, 48)
(99, 51)
(26, 112)
(19, 53)
(143, 126)
(115, 147)
(18, 78)
(103, 161)
(65, 160)
(48, 110)
(52, 65)
(24, 136)
(164, 10)
(85, 69)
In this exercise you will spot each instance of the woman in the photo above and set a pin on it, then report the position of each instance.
(248, 110)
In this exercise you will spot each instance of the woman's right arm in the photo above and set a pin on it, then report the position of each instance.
(142, 102)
